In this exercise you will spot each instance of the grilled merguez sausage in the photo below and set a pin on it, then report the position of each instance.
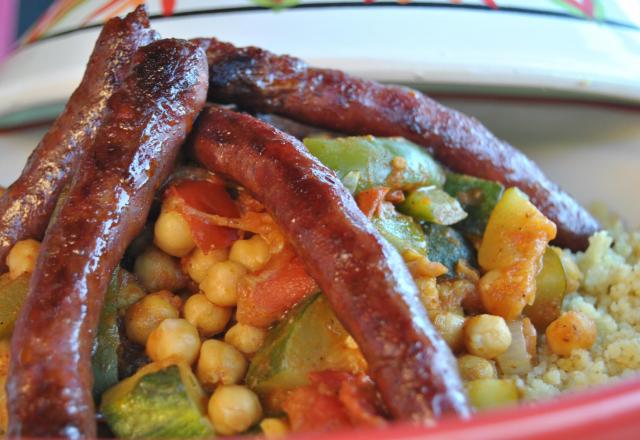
(147, 119)
(26, 206)
(263, 82)
(363, 277)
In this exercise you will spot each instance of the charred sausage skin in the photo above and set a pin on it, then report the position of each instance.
(261, 81)
(26, 206)
(363, 277)
(50, 380)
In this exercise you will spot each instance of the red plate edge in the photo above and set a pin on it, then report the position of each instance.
(608, 411)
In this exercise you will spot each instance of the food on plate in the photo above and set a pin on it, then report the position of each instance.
(364, 280)
(101, 211)
(258, 80)
(25, 207)
(252, 274)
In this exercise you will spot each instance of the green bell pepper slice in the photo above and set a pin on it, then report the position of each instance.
(432, 204)
(371, 159)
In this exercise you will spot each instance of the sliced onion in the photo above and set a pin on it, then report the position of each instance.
(517, 359)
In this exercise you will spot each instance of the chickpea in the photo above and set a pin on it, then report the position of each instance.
(451, 328)
(145, 315)
(474, 367)
(233, 409)
(198, 263)
(221, 283)
(172, 234)
(158, 271)
(207, 317)
(246, 338)
(570, 331)
(22, 257)
(486, 336)
(220, 363)
(252, 253)
(174, 338)
(274, 428)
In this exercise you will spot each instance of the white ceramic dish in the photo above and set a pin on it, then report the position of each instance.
(532, 47)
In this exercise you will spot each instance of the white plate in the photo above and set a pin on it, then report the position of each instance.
(524, 46)
(592, 151)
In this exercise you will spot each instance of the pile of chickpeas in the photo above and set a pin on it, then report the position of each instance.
(199, 329)
(478, 339)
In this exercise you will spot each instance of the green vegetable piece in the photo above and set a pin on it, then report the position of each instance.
(371, 157)
(126, 287)
(12, 296)
(478, 197)
(432, 204)
(551, 285)
(309, 339)
(123, 290)
(492, 393)
(350, 181)
(402, 231)
(447, 246)
(159, 401)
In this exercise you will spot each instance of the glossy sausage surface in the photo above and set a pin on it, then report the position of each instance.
(261, 81)
(26, 206)
(363, 277)
(50, 378)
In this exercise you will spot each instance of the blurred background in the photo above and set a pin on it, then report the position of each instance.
(15, 18)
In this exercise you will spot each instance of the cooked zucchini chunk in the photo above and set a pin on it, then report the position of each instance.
(448, 246)
(492, 393)
(309, 339)
(400, 230)
(478, 197)
(162, 400)
(432, 204)
(123, 290)
(551, 285)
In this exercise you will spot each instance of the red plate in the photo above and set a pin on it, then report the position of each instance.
(608, 412)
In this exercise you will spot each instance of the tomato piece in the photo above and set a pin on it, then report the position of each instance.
(211, 198)
(265, 296)
(361, 402)
(334, 400)
(206, 196)
(369, 200)
(310, 410)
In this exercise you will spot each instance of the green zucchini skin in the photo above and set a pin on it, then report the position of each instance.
(309, 339)
(402, 231)
(122, 291)
(157, 404)
(447, 245)
(478, 197)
